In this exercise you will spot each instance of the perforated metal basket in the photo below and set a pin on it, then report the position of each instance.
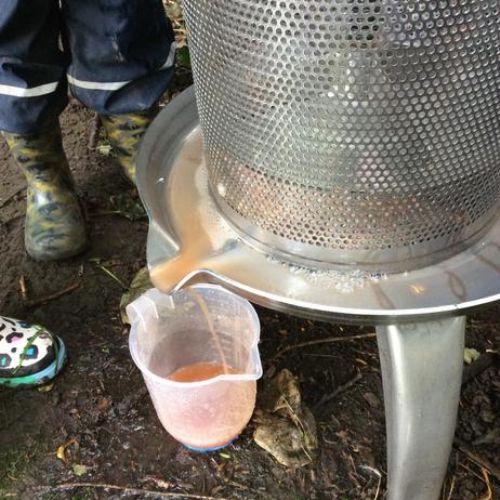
(360, 132)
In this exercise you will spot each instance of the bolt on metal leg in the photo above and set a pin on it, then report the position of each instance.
(421, 372)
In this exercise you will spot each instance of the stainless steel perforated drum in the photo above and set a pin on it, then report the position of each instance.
(360, 132)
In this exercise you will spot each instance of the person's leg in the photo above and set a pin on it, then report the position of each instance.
(29, 354)
(123, 55)
(33, 88)
(33, 92)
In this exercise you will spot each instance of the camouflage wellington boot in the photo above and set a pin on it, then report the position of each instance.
(125, 133)
(55, 227)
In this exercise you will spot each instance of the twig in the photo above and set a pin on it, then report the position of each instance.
(112, 275)
(13, 195)
(482, 462)
(469, 470)
(485, 478)
(337, 391)
(353, 466)
(379, 476)
(53, 296)
(124, 489)
(489, 493)
(296, 421)
(238, 485)
(23, 287)
(322, 355)
(94, 132)
(324, 341)
(377, 492)
(452, 487)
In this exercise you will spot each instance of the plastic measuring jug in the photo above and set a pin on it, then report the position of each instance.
(197, 351)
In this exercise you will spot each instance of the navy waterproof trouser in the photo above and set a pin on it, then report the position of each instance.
(117, 57)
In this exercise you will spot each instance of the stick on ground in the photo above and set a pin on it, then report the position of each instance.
(131, 491)
(53, 296)
(324, 341)
(341, 388)
(492, 469)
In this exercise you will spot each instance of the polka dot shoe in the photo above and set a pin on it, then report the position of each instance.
(29, 354)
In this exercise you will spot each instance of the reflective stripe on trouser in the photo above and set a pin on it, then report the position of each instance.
(118, 55)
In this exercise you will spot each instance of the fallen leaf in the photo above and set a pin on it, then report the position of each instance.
(46, 387)
(103, 404)
(128, 206)
(79, 469)
(160, 482)
(290, 398)
(227, 456)
(104, 149)
(343, 435)
(285, 426)
(139, 285)
(61, 450)
(371, 399)
(183, 56)
(60, 453)
(470, 355)
(174, 10)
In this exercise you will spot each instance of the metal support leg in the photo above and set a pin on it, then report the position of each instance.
(421, 371)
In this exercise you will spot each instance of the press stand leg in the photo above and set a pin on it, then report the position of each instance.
(422, 373)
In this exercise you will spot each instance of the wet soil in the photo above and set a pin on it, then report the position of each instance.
(99, 409)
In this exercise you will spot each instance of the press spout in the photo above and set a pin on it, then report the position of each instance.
(177, 273)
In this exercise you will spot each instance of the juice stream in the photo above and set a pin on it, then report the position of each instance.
(204, 309)
(168, 275)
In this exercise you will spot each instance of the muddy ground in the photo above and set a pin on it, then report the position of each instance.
(99, 408)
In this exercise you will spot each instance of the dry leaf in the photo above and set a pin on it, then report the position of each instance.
(61, 450)
(104, 149)
(46, 387)
(79, 469)
(285, 426)
(139, 285)
(470, 355)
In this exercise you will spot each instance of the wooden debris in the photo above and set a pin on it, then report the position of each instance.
(324, 341)
(485, 464)
(23, 288)
(55, 295)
